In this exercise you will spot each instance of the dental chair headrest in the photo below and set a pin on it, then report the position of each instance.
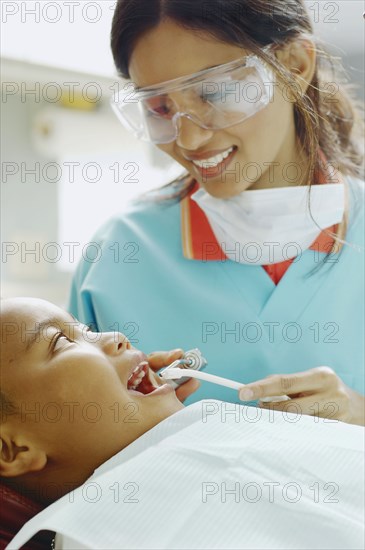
(16, 510)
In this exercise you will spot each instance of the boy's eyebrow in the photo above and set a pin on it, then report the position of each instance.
(47, 323)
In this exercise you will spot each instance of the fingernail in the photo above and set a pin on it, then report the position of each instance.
(246, 394)
(177, 350)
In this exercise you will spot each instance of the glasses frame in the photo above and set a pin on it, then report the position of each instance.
(118, 100)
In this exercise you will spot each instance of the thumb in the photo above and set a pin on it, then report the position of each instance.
(247, 393)
(186, 389)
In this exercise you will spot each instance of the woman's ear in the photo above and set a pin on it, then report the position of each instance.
(19, 456)
(299, 57)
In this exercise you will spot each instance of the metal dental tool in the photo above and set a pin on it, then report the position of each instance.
(175, 372)
(191, 360)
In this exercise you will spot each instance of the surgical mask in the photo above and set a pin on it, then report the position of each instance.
(268, 226)
(213, 99)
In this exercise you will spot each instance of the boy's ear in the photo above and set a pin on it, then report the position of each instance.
(19, 457)
(299, 57)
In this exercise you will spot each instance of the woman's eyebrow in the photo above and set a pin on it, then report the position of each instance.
(138, 88)
(211, 67)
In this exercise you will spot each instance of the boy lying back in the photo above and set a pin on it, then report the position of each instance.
(211, 475)
(71, 398)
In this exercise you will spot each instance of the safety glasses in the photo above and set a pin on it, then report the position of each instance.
(214, 99)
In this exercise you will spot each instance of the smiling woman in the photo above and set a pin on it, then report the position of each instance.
(259, 247)
(242, 95)
(192, 34)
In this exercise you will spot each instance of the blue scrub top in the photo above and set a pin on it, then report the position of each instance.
(141, 284)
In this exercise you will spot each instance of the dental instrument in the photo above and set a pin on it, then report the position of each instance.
(173, 372)
(176, 373)
(192, 359)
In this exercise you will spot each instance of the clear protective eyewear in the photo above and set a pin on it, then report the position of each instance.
(214, 99)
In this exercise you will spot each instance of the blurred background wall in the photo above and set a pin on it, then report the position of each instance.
(67, 166)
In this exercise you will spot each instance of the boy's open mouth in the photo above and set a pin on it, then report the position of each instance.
(142, 379)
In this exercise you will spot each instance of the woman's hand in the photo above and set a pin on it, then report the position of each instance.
(316, 392)
(159, 359)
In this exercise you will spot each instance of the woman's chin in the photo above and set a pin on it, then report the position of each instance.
(222, 190)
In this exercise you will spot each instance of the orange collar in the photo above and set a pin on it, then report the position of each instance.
(200, 243)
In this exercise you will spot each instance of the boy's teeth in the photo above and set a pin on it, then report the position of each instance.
(213, 160)
(138, 369)
(136, 378)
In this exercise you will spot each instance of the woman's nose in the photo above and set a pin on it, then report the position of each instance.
(190, 135)
(114, 343)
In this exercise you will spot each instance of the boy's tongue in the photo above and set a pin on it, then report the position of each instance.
(145, 386)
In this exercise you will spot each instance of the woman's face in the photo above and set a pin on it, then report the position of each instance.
(264, 144)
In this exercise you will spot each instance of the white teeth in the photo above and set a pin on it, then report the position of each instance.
(137, 378)
(213, 161)
(139, 368)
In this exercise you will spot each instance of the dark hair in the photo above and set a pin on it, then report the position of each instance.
(327, 116)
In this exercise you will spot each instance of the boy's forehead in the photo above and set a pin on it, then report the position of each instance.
(20, 318)
(24, 310)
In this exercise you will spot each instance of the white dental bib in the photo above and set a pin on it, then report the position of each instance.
(220, 475)
(268, 226)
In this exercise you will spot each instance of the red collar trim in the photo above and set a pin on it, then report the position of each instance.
(200, 243)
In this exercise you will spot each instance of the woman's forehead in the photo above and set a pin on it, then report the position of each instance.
(169, 51)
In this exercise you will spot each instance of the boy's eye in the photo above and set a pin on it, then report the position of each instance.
(90, 328)
(60, 340)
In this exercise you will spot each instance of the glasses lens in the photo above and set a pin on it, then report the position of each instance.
(158, 112)
(234, 97)
(225, 98)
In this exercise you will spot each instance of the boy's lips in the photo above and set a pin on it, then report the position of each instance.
(143, 382)
(140, 359)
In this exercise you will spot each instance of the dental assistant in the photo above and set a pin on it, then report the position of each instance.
(256, 255)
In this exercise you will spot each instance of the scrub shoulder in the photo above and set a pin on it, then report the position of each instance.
(155, 206)
(155, 222)
(148, 223)
(356, 198)
(139, 217)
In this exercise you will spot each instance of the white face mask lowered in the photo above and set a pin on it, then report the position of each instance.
(268, 226)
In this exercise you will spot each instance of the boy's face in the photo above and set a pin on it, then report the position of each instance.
(72, 387)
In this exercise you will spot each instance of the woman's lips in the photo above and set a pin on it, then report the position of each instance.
(206, 155)
(214, 171)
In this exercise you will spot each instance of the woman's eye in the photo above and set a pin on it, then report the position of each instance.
(225, 91)
(158, 107)
(161, 111)
(212, 98)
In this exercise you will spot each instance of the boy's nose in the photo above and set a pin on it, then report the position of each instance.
(114, 343)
